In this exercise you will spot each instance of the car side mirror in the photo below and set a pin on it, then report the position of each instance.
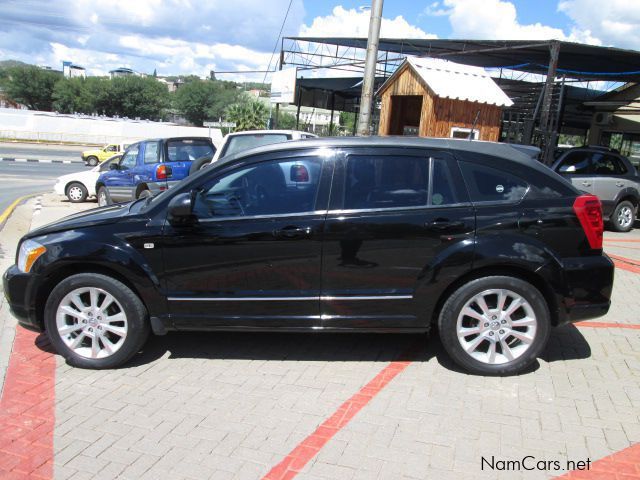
(114, 166)
(180, 207)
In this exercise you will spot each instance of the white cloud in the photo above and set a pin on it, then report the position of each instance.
(614, 22)
(355, 23)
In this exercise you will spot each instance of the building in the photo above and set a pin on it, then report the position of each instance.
(71, 70)
(436, 98)
(122, 72)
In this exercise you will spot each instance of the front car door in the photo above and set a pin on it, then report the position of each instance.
(611, 180)
(398, 230)
(251, 256)
(119, 183)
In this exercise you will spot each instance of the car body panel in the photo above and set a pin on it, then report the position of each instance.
(86, 178)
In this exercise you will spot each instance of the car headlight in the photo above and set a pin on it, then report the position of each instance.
(29, 252)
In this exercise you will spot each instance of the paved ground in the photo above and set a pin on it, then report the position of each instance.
(41, 151)
(251, 406)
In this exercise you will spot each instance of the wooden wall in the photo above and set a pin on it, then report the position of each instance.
(439, 115)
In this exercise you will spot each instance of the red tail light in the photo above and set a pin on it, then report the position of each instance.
(163, 172)
(589, 211)
(299, 173)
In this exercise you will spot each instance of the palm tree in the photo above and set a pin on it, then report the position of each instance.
(251, 115)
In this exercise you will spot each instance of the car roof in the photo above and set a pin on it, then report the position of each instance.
(266, 132)
(501, 150)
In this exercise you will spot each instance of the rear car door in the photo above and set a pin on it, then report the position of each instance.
(120, 182)
(576, 166)
(396, 215)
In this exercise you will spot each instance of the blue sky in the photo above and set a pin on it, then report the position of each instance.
(195, 36)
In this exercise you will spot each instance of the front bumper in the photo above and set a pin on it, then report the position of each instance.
(589, 283)
(59, 188)
(19, 290)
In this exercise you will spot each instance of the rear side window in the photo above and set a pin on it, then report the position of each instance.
(188, 150)
(244, 142)
(386, 182)
(577, 163)
(151, 152)
(487, 184)
(443, 185)
(604, 164)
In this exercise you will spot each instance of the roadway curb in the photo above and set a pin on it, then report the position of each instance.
(37, 160)
(4, 216)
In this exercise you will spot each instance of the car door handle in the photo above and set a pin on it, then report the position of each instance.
(443, 224)
(586, 183)
(292, 231)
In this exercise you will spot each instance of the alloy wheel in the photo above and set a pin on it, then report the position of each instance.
(625, 217)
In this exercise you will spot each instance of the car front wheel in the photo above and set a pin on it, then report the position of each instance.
(95, 321)
(623, 216)
(495, 325)
(77, 192)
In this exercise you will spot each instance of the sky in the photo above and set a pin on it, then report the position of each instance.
(196, 36)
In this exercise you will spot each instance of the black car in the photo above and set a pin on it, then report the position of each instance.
(362, 234)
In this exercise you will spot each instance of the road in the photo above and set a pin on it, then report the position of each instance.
(41, 151)
(18, 179)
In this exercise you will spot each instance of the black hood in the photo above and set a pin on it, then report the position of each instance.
(95, 216)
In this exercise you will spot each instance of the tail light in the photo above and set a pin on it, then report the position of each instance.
(589, 211)
(299, 173)
(163, 172)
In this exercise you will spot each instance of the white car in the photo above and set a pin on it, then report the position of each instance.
(79, 186)
(238, 141)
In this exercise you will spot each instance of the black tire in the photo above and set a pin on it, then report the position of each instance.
(623, 216)
(134, 309)
(76, 192)
(104, 199)
(92, 161)
(447, 324)
(198, 165)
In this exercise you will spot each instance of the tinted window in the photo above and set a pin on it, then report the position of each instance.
(151, 152)
(443, 185)
(244, 142)
(130, 158)
(270, 188)
(576, 162)
(188, 150)
(105, 166)
(386, 182)
(487, 184)
(604, 164)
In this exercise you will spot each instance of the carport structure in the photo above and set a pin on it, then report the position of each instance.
(545, 107)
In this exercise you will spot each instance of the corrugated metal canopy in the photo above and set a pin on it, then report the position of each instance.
(576, 60)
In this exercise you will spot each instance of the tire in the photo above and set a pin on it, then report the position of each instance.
(198, 165)
(85, 338)
(623, 216)
(144, 193)
(104, 199)
(496, 330)
(92, 161)
(76, 192)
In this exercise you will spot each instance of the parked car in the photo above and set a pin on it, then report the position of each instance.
(95, 156)
(237, 141)
(80, 186)
(608, 175)
(393, 235)
(150, 167)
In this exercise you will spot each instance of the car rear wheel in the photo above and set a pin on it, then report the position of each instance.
(92, 161)
(495, 325)
(77, 192)
(103, 197)
(199, 164)
(95, 321)
(623, 216)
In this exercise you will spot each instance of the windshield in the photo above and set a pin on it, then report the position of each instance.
(188, 150)
(244, 142)
(104, 166)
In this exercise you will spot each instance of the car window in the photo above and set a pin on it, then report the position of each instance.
(188, 149)
(269, 188)
(386, 181)
(443, 185)
(488, 184)
(106, 165)
(576, 163)
(129, 159)
(244, 142)
(112, 148)
(151, 152)
(604, 164)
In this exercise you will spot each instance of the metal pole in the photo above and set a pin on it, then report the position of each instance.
(546, 116)
(366, 101)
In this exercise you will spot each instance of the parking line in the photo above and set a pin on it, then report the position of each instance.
(621, 240)
(624, 464)
(632, 326)
(304, 452)
(625, 263)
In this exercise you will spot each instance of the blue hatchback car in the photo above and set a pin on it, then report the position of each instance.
(151, 166)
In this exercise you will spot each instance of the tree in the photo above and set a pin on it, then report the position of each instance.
(200, 100)
(30, 85)
(134, 96)
(286, 121)
(72, 95)
(249, 115)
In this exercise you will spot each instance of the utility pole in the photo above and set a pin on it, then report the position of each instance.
(366, 101)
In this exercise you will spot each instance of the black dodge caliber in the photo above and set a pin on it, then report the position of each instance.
(355, 234)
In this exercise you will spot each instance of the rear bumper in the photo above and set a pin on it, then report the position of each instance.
(589, 283)
(18, 288)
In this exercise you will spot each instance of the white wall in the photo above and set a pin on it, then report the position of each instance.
(47, 126)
